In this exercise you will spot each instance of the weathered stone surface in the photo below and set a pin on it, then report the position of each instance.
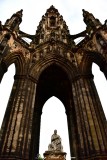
(48, 155)
(52, 64)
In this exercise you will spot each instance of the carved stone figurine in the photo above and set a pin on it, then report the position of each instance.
(55, 143)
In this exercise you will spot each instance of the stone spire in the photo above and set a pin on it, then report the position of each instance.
(19, 13)
(52, 27)
(52, 9)
(14, 21)
(91, 22)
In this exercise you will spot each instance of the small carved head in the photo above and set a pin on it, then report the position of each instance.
(55, 131)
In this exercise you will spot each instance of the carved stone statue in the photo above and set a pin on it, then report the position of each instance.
(55, 143)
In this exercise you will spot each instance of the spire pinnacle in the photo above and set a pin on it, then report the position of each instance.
(90, 20)
(52, 9)
(19, 13)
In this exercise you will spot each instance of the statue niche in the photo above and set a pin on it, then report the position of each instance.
(52, 21)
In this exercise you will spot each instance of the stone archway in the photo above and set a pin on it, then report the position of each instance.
(53, 117)
(53, 81)
(93, 57)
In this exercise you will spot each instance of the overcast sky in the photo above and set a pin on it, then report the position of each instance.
(71, 10)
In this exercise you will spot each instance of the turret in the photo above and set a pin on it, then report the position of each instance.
(11, 24)
(14, 21)
(91, 22)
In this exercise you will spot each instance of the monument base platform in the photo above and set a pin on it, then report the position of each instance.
(55, 155)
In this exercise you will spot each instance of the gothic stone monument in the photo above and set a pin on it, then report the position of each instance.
(52, 64)
(55, 149)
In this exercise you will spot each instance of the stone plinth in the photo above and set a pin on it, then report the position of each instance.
(49, 155)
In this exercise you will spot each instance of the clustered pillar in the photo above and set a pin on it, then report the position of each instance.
(17, 124)
(92, 135)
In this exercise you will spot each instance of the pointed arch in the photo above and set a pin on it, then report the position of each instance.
(53, 80)
(90, 57)
(17, 58)
(51, 121)
(41, 65)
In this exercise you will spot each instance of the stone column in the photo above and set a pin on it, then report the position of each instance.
(72, 132)
(34, 149)
(91, 122)
(17, 125)
(3, 70)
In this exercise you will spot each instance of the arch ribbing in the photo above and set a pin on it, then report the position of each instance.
(90, 57)
(18, 59)
(41, 65)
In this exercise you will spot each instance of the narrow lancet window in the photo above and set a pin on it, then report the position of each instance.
(52, 21)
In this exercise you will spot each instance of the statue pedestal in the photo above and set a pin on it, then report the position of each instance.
(55, 155)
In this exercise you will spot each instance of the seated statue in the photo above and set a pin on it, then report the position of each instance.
(55, 143)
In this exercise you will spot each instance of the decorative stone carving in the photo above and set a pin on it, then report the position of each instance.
(55, 156)
(91, 22)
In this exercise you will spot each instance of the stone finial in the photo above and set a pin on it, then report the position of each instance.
(19, 13)
(90, 20)
(52, 9)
